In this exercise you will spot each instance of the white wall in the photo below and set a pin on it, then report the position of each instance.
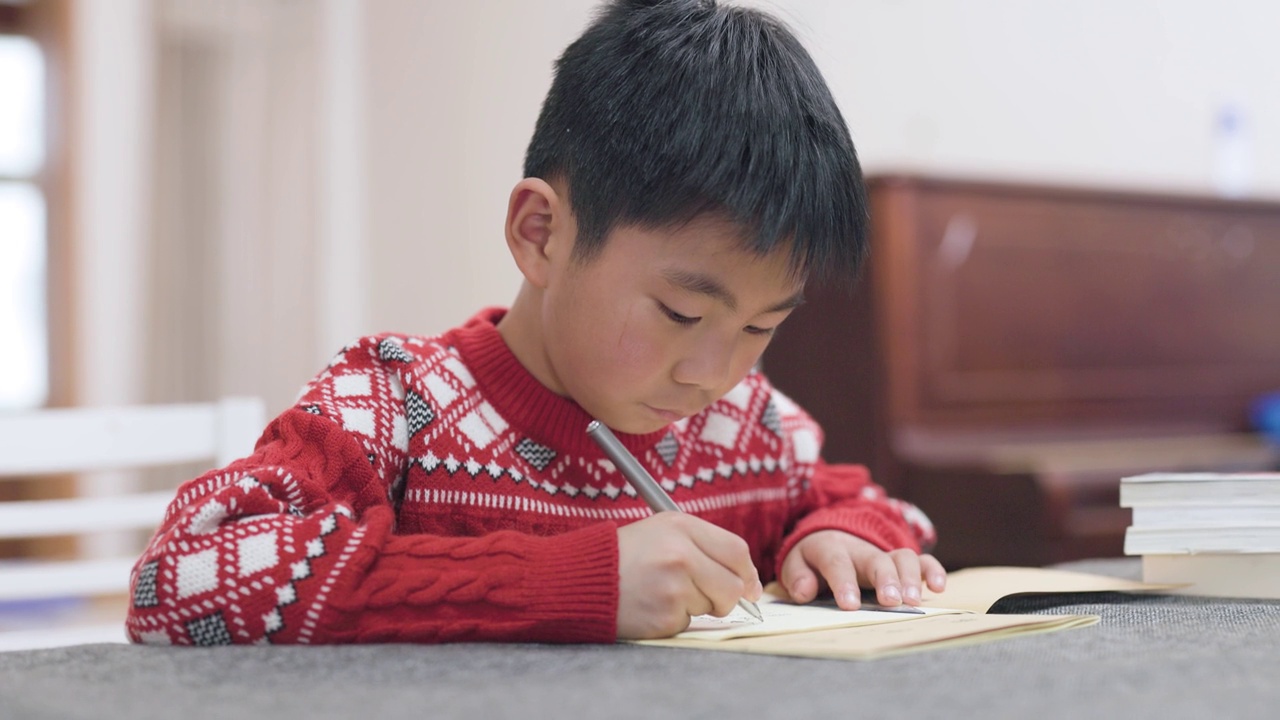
(1098, 92)
(453, 91)
(1121, 94)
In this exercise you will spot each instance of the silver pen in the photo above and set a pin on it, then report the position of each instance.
(645, 485)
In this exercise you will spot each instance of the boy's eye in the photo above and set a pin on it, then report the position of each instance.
(677, 317)
(753, 330)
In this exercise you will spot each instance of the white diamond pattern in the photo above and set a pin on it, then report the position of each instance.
(197, 573)
(460, 371)
(400, 433)
(476, 430)
(721, 430)
(358, 420)
(352, 386)
(258, 553)
(440, 389)
(806, 446)
(739, 396)
(491, 416)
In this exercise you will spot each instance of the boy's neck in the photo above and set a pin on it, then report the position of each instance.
(521, 330)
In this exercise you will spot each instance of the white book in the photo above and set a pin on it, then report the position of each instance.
(1200, 489)
(1178, 516)
(1179, 541)
(1240, 575)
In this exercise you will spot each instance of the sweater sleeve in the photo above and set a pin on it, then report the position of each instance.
(296, 544)
(842, 496)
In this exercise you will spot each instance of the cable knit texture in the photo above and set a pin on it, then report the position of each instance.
(429, 489)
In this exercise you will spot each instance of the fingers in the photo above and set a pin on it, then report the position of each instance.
(798, 579)
(907, 566)
(934, 574)
(818, 562)
(673, 566)
(881, 570)
(842, 562)
(723, 552)
(718, 588)
(899, 579)
(722, 570)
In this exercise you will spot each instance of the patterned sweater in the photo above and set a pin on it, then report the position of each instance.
(429, 489)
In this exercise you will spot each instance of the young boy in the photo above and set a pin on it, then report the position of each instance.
(689, 173)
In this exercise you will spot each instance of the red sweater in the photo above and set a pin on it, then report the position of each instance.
(431, 490)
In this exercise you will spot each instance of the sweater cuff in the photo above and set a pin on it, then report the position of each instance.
(502, 587)
(573, 587)
(866, 523)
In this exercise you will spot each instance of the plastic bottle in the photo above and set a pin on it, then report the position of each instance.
(1233, 152)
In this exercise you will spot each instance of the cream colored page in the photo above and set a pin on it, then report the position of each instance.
(782, 617)
(973, 590)
(927, 633)
(881, 639)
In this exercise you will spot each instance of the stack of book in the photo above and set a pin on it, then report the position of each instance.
(1216, 533)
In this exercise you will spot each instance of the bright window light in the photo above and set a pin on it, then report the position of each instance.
(24, 351)
(21, 107)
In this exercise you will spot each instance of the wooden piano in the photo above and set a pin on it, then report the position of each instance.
(1013, 350)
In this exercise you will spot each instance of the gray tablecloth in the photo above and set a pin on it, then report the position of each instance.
(1150, 657)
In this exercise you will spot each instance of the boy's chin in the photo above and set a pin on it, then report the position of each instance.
(636, 424)
(636, 428)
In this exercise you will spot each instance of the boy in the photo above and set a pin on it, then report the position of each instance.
(688, 174)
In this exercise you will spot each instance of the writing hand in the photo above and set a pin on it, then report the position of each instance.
(673, 566)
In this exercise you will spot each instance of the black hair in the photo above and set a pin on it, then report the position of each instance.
(667, 109)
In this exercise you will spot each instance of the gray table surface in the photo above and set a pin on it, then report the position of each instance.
(1150, 657)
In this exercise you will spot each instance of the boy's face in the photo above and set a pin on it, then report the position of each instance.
(661, 323)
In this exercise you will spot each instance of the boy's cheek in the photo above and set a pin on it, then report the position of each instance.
(630, 352)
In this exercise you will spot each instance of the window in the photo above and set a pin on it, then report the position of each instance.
(24, 376)
(24, 236)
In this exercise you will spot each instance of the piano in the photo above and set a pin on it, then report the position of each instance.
(1013, 350)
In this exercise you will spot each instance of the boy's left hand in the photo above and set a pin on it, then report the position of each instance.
(843, 563)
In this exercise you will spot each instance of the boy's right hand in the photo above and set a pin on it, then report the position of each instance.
(672, 566)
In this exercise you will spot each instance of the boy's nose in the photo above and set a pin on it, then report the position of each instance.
(707, 367)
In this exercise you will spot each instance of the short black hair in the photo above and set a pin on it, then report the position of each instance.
(667, 109)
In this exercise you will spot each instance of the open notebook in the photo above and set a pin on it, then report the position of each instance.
(956, 617)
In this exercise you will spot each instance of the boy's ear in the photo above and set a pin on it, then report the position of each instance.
(537, 220)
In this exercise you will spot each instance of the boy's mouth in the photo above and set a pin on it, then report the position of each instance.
(667, 415)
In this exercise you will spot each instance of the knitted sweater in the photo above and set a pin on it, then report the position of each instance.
(429, 489)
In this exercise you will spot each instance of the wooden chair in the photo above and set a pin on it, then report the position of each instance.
(82, 440)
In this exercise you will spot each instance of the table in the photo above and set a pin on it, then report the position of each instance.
(1157, 656)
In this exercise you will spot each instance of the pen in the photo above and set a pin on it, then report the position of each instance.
(645, 485)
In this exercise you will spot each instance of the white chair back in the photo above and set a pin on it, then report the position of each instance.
(85, 440)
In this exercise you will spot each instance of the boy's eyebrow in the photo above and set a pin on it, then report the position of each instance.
(706, 285)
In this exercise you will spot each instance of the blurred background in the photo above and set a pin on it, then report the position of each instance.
(207, 198)
(210, 197)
